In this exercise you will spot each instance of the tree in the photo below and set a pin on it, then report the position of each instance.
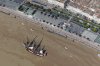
(94, 29)
(20, 8)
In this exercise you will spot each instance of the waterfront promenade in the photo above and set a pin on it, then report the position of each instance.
(29, 18)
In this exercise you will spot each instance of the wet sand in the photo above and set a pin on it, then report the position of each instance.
(13, 32)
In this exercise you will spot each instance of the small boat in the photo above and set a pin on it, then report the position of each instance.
(35, 48)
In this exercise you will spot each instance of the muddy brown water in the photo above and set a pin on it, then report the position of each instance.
(13, 33)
